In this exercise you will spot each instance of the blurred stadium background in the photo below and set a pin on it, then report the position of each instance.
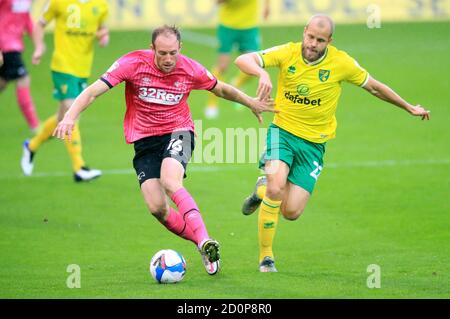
(383, 197)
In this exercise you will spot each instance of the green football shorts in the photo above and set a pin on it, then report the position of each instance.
(304, 158)
(247, 40)
(67, 86)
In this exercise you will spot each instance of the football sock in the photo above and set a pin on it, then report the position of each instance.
(241, 79)
(212, 98)
(176, 224)
(267, 225)
(191, 214)
(27, 106)
(74, 149)
(44, 133)
(261, 191)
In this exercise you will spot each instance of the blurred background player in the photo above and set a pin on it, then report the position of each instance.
(238, 26)
(15, 20)
(78, 24)
(309, 88)
(159, 123)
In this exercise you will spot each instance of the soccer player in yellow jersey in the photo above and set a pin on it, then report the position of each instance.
(309, 87)
(238, 26)
(77, 24)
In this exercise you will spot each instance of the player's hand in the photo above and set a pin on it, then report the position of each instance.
(418, 110)
(64, 127)
(1, 58)
(259, 106)
(103, 37)
(264, 87)
(37, 54)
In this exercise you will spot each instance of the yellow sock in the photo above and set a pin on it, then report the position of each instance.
(74, 149)
(212, 98)
(241, 79)
(267, 225)
(261, 191)
(44, 133)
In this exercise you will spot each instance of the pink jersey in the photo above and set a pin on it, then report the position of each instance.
(15, 19)
(157, 102)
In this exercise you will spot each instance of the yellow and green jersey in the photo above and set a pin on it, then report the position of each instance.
(76, 24)
(308, 94)
(239, 14)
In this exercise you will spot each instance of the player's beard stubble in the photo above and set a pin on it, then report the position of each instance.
(316, 55)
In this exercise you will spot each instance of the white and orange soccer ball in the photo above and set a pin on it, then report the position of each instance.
(168, 266)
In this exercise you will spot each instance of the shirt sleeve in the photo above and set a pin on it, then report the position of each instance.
(355, 74)
(104, 15)
(49, 11)
(120, 71)
(274, 56)
(204, 80)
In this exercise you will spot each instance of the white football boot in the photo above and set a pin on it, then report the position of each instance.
(85, 174)
(27, 159)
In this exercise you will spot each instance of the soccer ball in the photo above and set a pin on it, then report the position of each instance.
(167, 266)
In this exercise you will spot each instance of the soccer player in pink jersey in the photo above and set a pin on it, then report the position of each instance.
(15, 20)
(159, 124)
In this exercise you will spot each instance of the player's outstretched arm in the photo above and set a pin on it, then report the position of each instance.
(79, 105)
(1, 58)
(385, 93)
(38, 41)
(231, 93)
(250, 63)
(103, 36)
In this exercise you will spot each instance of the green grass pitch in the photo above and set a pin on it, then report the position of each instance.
(382, 198)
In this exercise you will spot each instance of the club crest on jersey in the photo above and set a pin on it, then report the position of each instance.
(159, 96)
(324, 75)
(179, 85)
(291, 69)
(146, 81)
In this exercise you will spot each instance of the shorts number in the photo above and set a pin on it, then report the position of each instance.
(175, 145)
(316, 172)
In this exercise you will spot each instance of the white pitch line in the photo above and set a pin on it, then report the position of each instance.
(200, 38)
(388, 163)
(246, 166)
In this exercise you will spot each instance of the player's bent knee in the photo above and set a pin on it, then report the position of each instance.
(157, 209)
(291, 217)
(23, 81)
(292, 214)
(170, 185)
(158, 212)
(274, 191)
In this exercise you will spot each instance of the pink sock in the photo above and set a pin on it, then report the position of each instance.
(26, 105)
(191, 214)
(178, 226)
